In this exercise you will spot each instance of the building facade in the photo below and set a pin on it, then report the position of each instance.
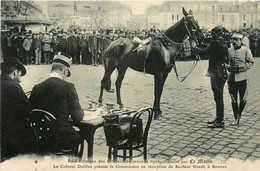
(27, 13)
(230, 14)
(89, 15)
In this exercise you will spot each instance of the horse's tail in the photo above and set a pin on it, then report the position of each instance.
(112, 54)
(111, 59)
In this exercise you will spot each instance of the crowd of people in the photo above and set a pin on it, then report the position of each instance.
(84, 48)
(88, 47)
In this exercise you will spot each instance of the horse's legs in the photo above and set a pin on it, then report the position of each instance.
(165, 75)
(158, 84)
(105, 83)
(120, 77)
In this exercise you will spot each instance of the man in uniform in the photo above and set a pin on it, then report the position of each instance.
(217, 52)
(60, 98)
(240, 60)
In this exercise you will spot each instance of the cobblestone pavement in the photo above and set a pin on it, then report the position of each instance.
(186, 107)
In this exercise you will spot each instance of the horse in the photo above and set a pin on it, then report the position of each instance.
(158, 60)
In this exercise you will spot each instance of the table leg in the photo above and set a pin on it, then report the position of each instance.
(90, 146)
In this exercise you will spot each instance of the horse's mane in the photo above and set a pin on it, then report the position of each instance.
(176, 32)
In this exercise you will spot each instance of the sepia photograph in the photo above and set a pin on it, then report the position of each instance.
(130, 85)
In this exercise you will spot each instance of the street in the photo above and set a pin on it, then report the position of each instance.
(186, 106)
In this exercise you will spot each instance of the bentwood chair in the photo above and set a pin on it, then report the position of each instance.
(44, 125)
(135, 141)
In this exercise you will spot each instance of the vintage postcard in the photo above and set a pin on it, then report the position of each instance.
(130, 85)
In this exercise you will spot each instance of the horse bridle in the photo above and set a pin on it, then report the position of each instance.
(197, 56)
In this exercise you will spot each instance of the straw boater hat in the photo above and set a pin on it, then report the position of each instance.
(64, 59)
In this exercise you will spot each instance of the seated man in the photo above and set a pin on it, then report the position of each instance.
(60, 98)
(17, 136)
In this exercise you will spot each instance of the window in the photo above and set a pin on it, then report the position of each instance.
(251, 25)
(252, 17)
(213, 8)
(223, 18)
(244, 24)
(244, 17)
(172, 17)
(177, 17)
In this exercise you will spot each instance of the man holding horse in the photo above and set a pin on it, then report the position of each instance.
(217, 52)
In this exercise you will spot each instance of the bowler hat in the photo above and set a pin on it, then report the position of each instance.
(64, 59)
(16, 63)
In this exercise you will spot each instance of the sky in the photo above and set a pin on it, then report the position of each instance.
(138, 6)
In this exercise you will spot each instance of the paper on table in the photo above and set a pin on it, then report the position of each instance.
(89, 115)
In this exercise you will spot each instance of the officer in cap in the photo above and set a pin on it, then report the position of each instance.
(240, 60)
(60, 98)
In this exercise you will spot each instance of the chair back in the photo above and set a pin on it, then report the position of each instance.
(44, 125)
(140, 125)
(124, 128)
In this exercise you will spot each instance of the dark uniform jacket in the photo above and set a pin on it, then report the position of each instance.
(60, 99)
(16, 134)
(85, 51)
(19, 47)
(73, 45)
(62, 44)
(218, 53)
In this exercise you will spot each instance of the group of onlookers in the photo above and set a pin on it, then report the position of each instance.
(85, 48)
(88, 47)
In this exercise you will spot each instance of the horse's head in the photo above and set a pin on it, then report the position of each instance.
(188, 25)
(192, 25)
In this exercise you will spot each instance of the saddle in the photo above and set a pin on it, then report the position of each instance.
(142, 47)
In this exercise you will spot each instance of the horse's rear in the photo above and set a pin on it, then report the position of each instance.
(114, 57)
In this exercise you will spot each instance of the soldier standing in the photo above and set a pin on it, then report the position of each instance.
(240, 60)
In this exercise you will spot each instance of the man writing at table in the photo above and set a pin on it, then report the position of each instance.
(60, 98)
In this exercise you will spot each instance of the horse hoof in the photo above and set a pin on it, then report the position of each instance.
(157, 117)
(100, 104)
(110, 90)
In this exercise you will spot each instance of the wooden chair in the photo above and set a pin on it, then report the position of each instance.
(45, 129)
(136, 139)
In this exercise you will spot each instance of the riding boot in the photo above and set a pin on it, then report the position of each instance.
(236, 114)
(235, 110)
(242, 105)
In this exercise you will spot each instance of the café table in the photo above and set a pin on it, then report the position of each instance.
(92, 120)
